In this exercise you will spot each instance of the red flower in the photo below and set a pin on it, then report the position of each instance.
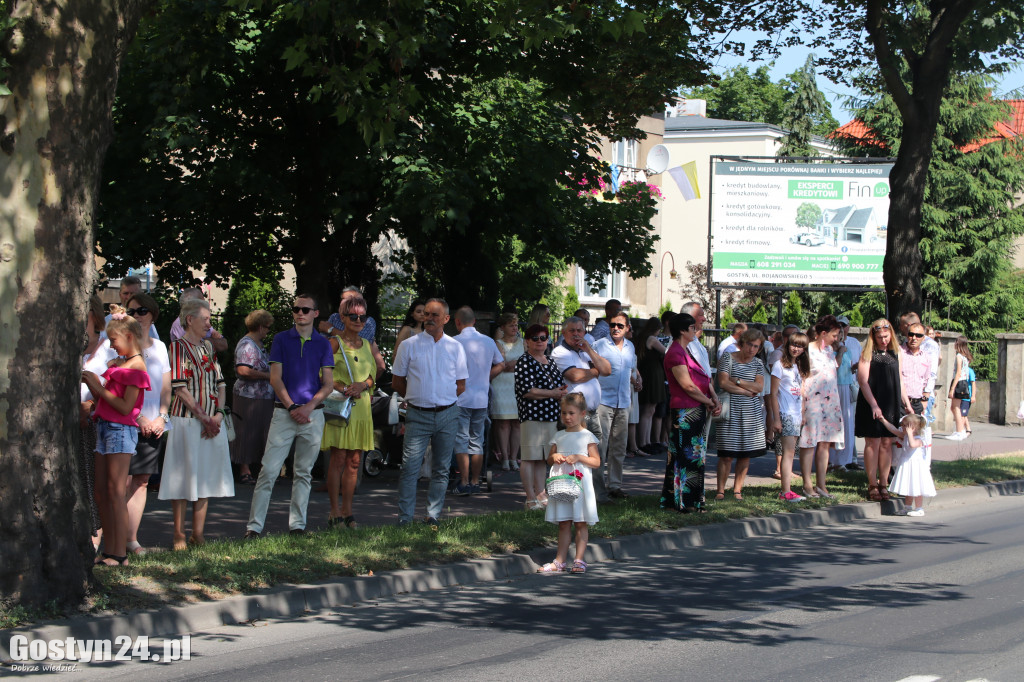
(578, 474)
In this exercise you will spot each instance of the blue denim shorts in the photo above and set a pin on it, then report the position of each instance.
(112, 438)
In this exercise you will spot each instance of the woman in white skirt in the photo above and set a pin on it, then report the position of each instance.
(197, 462)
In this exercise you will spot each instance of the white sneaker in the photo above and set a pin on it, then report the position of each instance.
(916, 512)
(504, 465)
(957, 435)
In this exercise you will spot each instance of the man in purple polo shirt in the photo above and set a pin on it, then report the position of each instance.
(301, 373)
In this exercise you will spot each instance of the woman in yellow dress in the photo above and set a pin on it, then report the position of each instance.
(354, 370)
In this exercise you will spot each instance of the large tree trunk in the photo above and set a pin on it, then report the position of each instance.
(904, 265)
(64, 57)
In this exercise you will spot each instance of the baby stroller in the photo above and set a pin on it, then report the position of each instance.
(387, 436)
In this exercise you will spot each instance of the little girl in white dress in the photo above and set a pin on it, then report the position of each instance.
(913, 477)
(578, 446)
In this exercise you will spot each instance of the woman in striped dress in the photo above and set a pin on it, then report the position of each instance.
(197, 464)
(741, 437)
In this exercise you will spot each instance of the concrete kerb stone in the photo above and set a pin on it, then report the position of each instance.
(286, 601)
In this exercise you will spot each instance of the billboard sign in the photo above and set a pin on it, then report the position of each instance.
(798, 223)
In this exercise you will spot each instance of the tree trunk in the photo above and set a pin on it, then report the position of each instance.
(903, 266)
(64, 58)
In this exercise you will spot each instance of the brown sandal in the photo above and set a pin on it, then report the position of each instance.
(884, 492)
(873, 494)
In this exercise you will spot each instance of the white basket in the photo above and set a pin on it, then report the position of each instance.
(562, 485)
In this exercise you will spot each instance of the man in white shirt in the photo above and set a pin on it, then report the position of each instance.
(732, 343)
(581, 366)
(613, 410)
(484, 362)
(430, 371)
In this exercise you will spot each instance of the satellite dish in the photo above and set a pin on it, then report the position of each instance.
(657, 159)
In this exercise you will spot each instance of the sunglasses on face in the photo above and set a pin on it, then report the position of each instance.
(353, 317)
(616, 325)
(305, 310)
(138, 312)
(880, 327)
(915, 335)
(539, 338)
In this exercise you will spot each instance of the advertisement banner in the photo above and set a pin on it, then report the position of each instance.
(798, 223)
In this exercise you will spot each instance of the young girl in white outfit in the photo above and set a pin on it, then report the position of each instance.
(913, 478)
(575, 445)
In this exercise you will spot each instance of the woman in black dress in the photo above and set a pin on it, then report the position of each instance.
(650, 359)
(881, 395)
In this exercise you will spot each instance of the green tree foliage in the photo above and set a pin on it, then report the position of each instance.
(760, 314)
(915, 48)
(243, 128)
(807, 215)
(740, 95)
(970, 217)
(728, 318)
(793, 313)
(806, 113)
(572, 300)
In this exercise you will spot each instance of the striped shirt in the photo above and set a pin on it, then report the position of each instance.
(195, 368)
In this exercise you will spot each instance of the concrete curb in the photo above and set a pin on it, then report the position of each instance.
(285, 601)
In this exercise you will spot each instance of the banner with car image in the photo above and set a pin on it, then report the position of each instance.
(798, 223)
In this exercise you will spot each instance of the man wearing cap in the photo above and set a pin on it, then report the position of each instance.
(430, 371)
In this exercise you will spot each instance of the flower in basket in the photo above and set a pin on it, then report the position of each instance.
(578, 474)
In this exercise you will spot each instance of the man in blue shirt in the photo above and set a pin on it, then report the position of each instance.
(616, 397)
(302, 375)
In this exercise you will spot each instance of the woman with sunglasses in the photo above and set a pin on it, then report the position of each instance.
(252, 406)
(153, 420)
(539, 388)
(881, 395)
(354, 370)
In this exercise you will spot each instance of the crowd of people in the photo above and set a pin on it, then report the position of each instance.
(584, 402)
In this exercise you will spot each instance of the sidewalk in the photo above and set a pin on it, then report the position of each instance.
(376, 502)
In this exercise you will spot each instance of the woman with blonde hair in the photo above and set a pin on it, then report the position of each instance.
(881, 395)
(959, 389)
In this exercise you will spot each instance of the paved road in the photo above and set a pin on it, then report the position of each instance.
(896, 598)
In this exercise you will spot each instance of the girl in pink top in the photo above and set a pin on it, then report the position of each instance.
(118, 403)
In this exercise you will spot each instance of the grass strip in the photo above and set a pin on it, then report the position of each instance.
(229, 567)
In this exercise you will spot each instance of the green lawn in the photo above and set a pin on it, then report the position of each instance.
(230, 567)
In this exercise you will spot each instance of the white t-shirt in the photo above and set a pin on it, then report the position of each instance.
(97, 364)
(157, 363)
(566, 359)
(481, 354)
(790, 400)
(729, 346)
(431, 369)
